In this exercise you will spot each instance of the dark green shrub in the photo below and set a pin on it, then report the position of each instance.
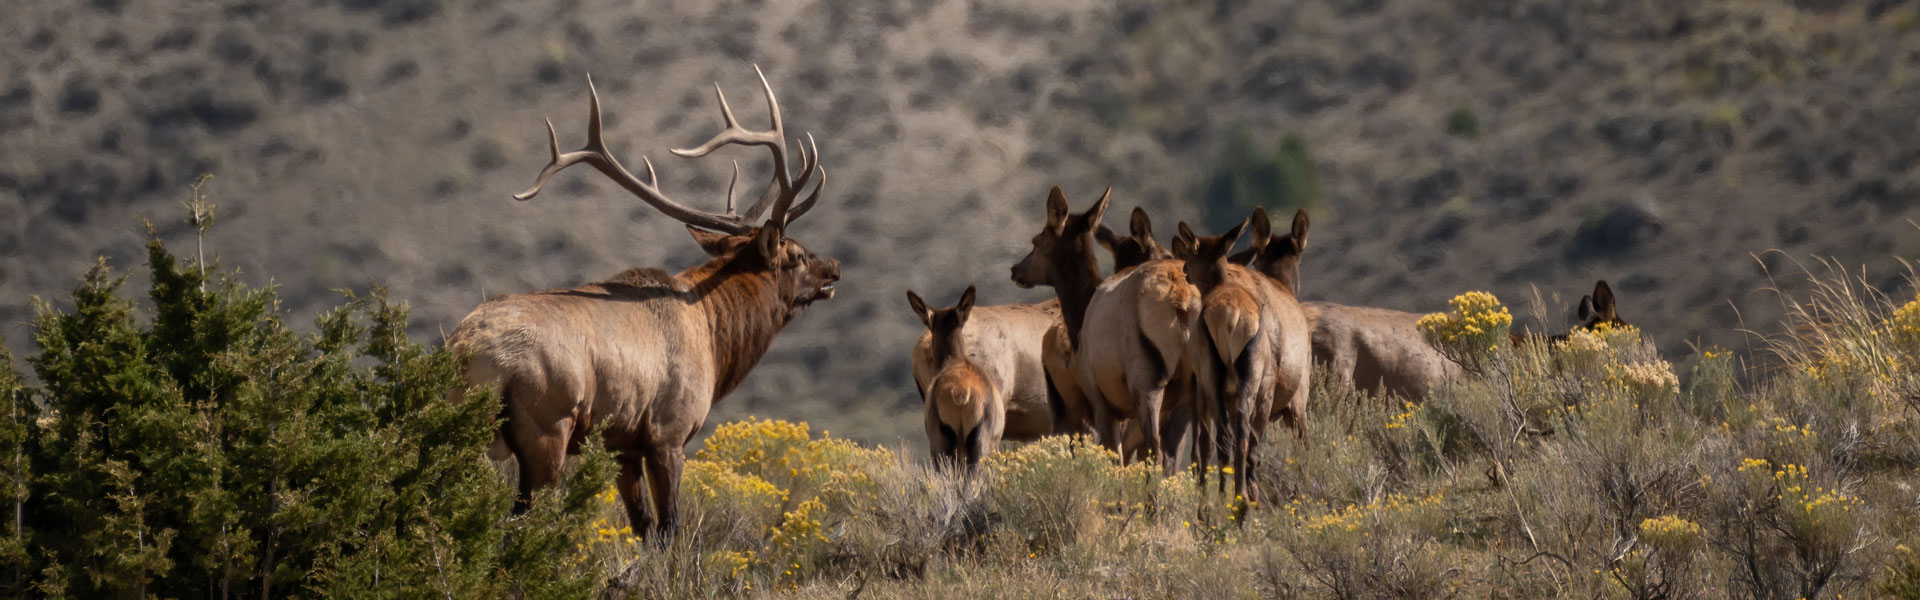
(1462, 122)
(1247, 175)
(202, 448)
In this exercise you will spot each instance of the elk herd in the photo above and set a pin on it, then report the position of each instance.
(1182, 354)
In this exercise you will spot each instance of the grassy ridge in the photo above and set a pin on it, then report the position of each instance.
(1582, 469)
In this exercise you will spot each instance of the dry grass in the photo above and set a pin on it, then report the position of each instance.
(1583, 470)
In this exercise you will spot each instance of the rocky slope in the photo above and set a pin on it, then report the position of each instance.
(1506, 146)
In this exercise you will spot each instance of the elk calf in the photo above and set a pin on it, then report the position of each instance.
(966, 412)
(1005, 341)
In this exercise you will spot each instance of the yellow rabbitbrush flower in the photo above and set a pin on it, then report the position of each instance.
(1477, 325)
(1904, 325)
(1645, 379)
(1670, 533)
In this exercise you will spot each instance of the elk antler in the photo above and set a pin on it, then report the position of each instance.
(782, 190)
(595, 154)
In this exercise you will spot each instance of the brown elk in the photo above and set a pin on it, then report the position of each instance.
(1371, 349)
(643, 356)
(966, 413)
(1129, 251)
(1004, 342)
(1377, 350)
(1251, 350)
(1136, 353)
(1595, 311)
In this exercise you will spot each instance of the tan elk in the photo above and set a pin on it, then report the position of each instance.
(966, 411)
(1251, 350)
(1128, 331)
(1376, 350)
(642, 357)
(1129, 251)
(1005, 342)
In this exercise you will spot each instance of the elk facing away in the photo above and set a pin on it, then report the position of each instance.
(966, 413)
(1251, 353)
(1004, 342)
(1128, 332)
(1063, 374)
(643, 356)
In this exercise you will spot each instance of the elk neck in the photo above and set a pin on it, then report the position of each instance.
(744, 308)
(1076, 277)
(947, 346)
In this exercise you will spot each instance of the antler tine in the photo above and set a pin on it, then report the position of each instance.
(595, 153)
(782, 187)
(812, 166)
(808, 161)
(730, 185)
(807, 205)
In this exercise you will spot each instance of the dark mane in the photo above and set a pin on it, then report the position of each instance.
(638, 277)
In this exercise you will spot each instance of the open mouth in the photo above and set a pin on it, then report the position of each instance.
(826, 291)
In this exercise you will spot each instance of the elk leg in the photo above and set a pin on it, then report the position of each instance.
(663, 479)
(541, 455)
(940, 439)
(1242, 456)
(1104, 425)
(1177, 427)
(1146, 409)
(633, 494)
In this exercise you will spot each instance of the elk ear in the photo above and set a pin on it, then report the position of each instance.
(1182, 247)
(1603, 300)
(1106, 236)
(1140, 225)
(1232, 236)
(1090, 219)
(767, 242)
(920, 309)
(714, 244)
(1056, 209)
(1586, 308)
(1262, 230)
(965, 307)
(1186, 233)
(1300, 230)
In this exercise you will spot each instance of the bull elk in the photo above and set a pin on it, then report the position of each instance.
(1128, 332)
(1250, 350)
(644, 355)
(966, 411)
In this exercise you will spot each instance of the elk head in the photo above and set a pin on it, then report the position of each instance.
(1599, 308)
(945, 323)
(1206, 256)
(1277, 256)
(738, 242)
(1137, 247)
(1066, 242)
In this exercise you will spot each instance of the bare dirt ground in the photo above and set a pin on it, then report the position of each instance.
(1500, 146)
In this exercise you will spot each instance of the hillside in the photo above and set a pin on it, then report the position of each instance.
(1501, 146)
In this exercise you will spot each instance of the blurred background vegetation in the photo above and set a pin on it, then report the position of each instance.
(1521, 147)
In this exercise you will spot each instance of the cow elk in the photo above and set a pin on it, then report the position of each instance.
(1372, 349)
(642, 357)
(1129, 251)
(1250, 351)
(1128, 332)
(1596, 310)
(966, 413)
